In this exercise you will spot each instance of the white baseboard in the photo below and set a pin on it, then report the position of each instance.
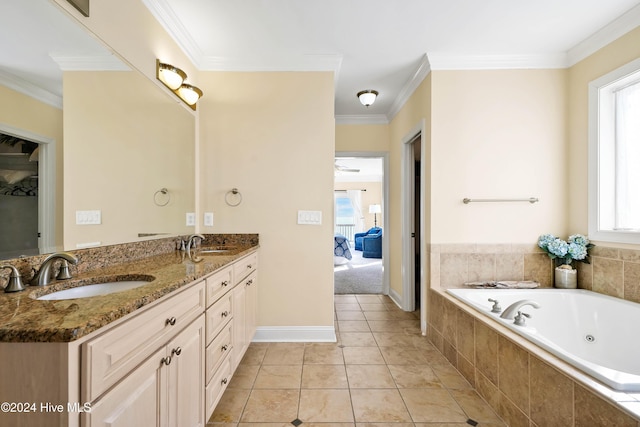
(395, 297)
(295, 334)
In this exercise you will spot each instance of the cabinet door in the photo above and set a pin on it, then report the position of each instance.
(135, 401)
(186, 376)
(239, 324)
(251, 307)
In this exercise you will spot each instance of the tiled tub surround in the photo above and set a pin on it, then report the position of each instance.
(524, 384)
(25, 319)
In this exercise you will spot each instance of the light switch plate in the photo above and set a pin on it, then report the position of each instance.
(88, 217)
(310, 217)
(208, 219)
(191, 219)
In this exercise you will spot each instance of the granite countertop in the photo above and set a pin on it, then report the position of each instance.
(23, 318)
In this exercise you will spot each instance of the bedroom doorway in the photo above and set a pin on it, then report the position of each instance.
(360, 190)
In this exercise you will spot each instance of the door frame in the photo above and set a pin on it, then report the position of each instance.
(46, 185)
(407, 214)
(385, 197)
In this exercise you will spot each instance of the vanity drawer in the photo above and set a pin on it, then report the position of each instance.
(217, 386)
(219, 348)
(112, 355)
(218, 284)
(217, 316)
(245, 266)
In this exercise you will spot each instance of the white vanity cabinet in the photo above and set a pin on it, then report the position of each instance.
(231, 299)
(155, 362)
(167, 389)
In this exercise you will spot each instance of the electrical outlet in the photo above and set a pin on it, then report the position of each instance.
(208, 219)
(191, 219)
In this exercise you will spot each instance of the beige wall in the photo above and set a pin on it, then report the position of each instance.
(363, 138)
(277, 147)
(621, 51)
(122, 144)
(498, 134)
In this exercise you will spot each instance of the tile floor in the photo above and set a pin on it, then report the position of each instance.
(381, 372)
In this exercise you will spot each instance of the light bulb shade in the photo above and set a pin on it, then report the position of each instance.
(367, 97)
(190, 94)
(375, 209)
(171, 76)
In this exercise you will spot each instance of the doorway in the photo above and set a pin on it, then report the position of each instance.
(360, 192)
(414, 262)
(27, 192)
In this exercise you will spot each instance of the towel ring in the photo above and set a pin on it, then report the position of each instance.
(164, 192)
(235, 196)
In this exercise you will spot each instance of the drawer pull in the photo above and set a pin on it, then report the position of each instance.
(249, 265)
(224, 381)
(166, 360)
(224, 348)
(249, 282)
(225, 283)
(225, 313)
(176, 351)
(171, 321)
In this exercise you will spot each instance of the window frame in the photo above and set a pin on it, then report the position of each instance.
(601, 119)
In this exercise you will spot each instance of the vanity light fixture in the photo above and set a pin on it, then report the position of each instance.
(174, 78)
(189, 94)
(171, 76)
(367, 97)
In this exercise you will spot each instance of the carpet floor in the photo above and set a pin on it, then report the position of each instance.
(358, 276)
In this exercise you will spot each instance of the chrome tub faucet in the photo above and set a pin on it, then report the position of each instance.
(510, 312)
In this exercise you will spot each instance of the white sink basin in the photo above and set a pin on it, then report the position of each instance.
(94, 290)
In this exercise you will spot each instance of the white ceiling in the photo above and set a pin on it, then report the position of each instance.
(384, 45)
(362, 169)
(381, 44)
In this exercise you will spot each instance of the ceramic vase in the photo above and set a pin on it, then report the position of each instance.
(566, 278)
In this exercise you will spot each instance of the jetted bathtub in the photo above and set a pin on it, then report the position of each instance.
(597, 334)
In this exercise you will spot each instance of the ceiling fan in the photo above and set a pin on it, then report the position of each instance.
(342, 168)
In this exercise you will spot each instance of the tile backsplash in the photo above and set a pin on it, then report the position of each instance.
(612, 271)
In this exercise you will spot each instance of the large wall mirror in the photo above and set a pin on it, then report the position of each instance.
(101, 153)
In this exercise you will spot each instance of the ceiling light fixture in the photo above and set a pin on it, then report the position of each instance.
(174, 78)
(367, 97)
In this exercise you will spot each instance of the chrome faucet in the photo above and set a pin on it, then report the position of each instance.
(14, 284)
(511, 311)
(43, 276)
(191, 241)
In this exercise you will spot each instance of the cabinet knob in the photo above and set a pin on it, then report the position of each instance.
(224, 348)
(171, 321)
(225, 283)
(249, 282)
(249, 265)
(224, 381)
(225, 313)
(166, 360)
(176, 351)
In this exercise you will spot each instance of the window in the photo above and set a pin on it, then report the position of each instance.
(345, 214)
(614, 156)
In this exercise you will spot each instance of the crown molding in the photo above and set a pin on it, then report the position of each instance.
(90, 63)
(610, 32)
(446, 61)
(362, 119)
(423, 70)
(29, 89)
(163, 13)
(304, 62)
